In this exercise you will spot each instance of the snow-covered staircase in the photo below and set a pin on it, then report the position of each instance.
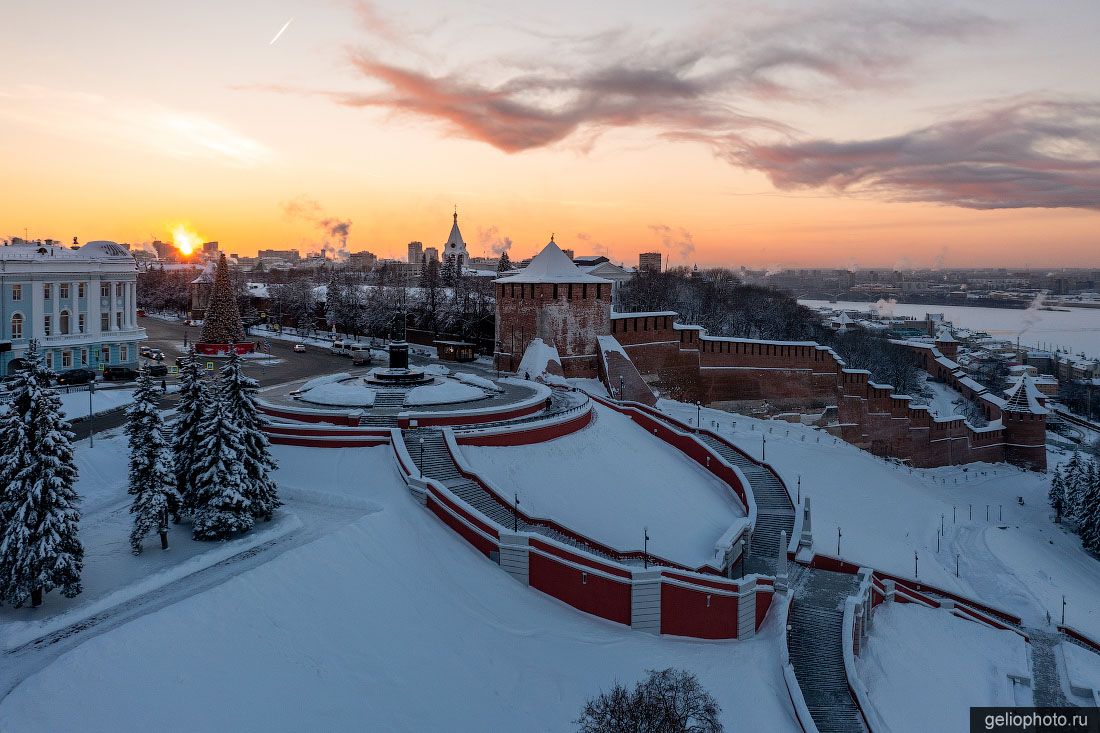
(774, 510)
(814, 643)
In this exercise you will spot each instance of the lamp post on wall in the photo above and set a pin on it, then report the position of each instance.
(741, 547)
(645, 547)
(515, 512)
(698, 415)
(763, 448)
(422, 457)
(621, 397)
(838, 535)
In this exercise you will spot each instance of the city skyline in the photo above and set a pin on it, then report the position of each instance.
(762, 135)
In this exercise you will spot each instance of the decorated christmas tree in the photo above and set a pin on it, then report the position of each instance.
(222, 324)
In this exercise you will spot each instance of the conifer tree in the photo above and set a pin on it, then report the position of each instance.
(221, 508)
(1057, 494)
(238, 391)
(505, 263)
(152, 483)
(39, 546)
(1075, 484)
(192, 405)
(222, 323)
(1088, 521)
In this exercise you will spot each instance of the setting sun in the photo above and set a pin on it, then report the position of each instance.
(184, 239)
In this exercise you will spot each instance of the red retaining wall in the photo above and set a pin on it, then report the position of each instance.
(527, 436)
(696, 613)
(424, 419)
(586, 591)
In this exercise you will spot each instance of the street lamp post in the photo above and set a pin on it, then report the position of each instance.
(421, 457)
(91, 427)
(645, 547)
(698, 415)
(621, 388)
(742, 549)
(763, 448)
(515, 513)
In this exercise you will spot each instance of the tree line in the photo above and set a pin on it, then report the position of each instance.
(717, 300)
(1075, 497)
(214, 471)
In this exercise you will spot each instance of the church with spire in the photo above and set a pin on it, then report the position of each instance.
(454, 249)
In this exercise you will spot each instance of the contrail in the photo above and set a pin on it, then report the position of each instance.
(281, 31)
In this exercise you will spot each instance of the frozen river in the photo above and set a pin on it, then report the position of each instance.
(1077, 330)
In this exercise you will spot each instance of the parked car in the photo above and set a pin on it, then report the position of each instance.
(300, 348)
(157, 370)
(155, 354)
(80, 375)
(338, 347)
(141, 313)
(144, 350)
(119, 374)
(361, 359)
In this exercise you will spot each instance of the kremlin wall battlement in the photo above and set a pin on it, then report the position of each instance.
(571, 311)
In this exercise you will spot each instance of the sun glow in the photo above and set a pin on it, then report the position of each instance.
(185, 239)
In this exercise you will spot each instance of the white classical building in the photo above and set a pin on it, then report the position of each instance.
(80, 305)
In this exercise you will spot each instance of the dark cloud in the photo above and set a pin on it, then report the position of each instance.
(1014, 154)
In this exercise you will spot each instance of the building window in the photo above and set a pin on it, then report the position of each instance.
(105, 355)
(104, 321)
(64, 288)
(118, 290)
(81, 323)
(83, 357)
(47, 290)
(105, 290)
(66, 359)
(63, 322)
(17, 326)
(124, 354)
(118, 320)
(80, 290)
(48, 322)
(17, 292)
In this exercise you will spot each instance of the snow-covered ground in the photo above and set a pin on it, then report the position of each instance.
(444, 393)
(944, 401)
(611, 480)
(925, 668)
(390, 622)
(75, 404)
(1083, 670)
(341, 394)
(1018, 559)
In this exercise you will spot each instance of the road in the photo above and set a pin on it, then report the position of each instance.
(169, 338)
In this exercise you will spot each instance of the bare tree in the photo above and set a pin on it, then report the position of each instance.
(667, 701)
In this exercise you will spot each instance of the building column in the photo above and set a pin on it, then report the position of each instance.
(55, 298)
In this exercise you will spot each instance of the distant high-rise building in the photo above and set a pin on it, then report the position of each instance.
(286, 255)
(210, 247)
(164, 250)
(432, 253)
(416, 252)
(362, 260)
(649, 261)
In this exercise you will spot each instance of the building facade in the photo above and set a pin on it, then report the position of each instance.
(649, 261)
(416, 252)
(79, 305)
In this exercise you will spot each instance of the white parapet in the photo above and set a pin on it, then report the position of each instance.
(645, 601)
(746, 609)
(515, 556)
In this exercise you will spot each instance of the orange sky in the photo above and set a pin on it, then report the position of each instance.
(118, 122)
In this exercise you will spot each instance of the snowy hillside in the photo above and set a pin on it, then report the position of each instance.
(392, 622)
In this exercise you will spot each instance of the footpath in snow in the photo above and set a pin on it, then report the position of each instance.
(889, 517)
(366, 624)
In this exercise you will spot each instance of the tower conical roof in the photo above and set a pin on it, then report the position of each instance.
(551, 265)
(455, 237)
(1024, 396)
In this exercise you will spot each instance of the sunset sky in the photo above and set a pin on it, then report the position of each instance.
(736, 133)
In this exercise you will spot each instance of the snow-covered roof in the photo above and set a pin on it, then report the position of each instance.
(551, 266)
(1024, 396)
(454, 239)
(643, 314)
(99, 249)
